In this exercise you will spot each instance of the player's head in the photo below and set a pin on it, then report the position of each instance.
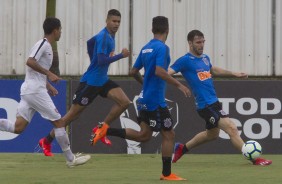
(196, 40)
(52, 25)
(113, 21)
(160, 25)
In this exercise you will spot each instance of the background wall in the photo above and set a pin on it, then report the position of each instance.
(240, 35)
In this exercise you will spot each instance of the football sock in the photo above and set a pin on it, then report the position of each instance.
(7, 126)
(64, 142)
(184, 150)
(166, 166)
(116, 132)
(49, 138)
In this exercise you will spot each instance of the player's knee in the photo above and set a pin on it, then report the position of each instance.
(233, 131)
(125, 104)
(213, 135)
(144, 137)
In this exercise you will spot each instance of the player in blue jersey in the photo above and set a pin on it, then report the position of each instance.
(154, 115)
(95, 81)
(197, 70)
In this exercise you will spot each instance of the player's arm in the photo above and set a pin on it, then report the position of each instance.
(171, 71)
(134, 72)
(31, 62)
(162, 73)
(51, 90)
(105, 60)
(226, 73)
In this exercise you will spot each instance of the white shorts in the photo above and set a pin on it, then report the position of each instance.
(40, 102)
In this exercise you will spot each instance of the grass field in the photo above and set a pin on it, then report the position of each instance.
(136, 169)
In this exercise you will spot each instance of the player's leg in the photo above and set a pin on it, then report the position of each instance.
(230, 128)
(168, 136)
(24, 115)
(112, 91)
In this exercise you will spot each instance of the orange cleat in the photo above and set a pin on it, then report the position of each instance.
(99, 134)
(104, 140)
(172, 177)
(46, 147)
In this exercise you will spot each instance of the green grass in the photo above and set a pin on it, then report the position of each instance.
(136, 169)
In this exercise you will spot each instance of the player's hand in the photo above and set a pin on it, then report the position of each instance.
(240, 75)
(125, 52)
(53, 77)
(52, 91)
(185, 90)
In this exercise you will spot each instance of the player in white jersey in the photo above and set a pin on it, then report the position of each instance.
(34, 92)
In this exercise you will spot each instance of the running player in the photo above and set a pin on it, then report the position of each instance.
(34, 93)
(153, 112)
(197, 69)
(95, 81)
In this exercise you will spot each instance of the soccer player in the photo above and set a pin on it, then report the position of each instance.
(95, 81)
(153, 112)
(34, 92)
(197, 70)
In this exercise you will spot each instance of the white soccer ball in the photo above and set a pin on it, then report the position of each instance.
(251, 150)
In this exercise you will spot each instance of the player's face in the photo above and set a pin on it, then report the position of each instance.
(197, 45)
(58, 33)
(113, 23)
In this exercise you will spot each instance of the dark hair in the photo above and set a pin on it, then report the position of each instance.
(159, 24)
(50, 24)
(193, 33)
(113, 12)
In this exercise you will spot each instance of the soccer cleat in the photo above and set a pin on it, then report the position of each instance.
(104, 140)
(177, 152)
(172, 177)
(99, 134)
(262, 161)
(46, 147)
(79, 159)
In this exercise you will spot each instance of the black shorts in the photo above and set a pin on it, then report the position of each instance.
(159, 119)
(211, 114)
(85, 94)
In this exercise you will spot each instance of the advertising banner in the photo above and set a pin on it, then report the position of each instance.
(37, 128)
(254, 106)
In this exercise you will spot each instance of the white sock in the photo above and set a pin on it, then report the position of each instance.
(64, 142)
(7, 126)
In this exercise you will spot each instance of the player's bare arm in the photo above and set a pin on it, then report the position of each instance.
(31, 62)
(134, 72)
(162, 73)
(51, 90)
(225, 73)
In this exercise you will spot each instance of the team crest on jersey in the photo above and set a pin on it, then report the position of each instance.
(206, 61)
(167, 122)
(84, 101)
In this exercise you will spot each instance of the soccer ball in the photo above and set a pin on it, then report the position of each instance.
(251, 150)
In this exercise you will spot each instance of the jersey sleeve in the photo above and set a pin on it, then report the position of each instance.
(138, 63)
(38, 50)
(101, 44)
(178, 66)
(162, 57)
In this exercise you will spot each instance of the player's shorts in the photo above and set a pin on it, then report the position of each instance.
(211, 114)
(40, 102)
(85, 94)
(159, 119)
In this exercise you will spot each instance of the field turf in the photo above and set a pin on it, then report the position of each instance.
(34, 168)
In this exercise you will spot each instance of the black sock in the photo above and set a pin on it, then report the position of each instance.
(49, 138)
(118, 132)
(184, 150)
(166, 166)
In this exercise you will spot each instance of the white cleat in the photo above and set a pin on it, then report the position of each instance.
(79, 159)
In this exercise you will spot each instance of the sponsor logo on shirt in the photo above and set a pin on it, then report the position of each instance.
(204, 75)
(147, 51)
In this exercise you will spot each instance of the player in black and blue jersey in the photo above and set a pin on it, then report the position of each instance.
(197, 70)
